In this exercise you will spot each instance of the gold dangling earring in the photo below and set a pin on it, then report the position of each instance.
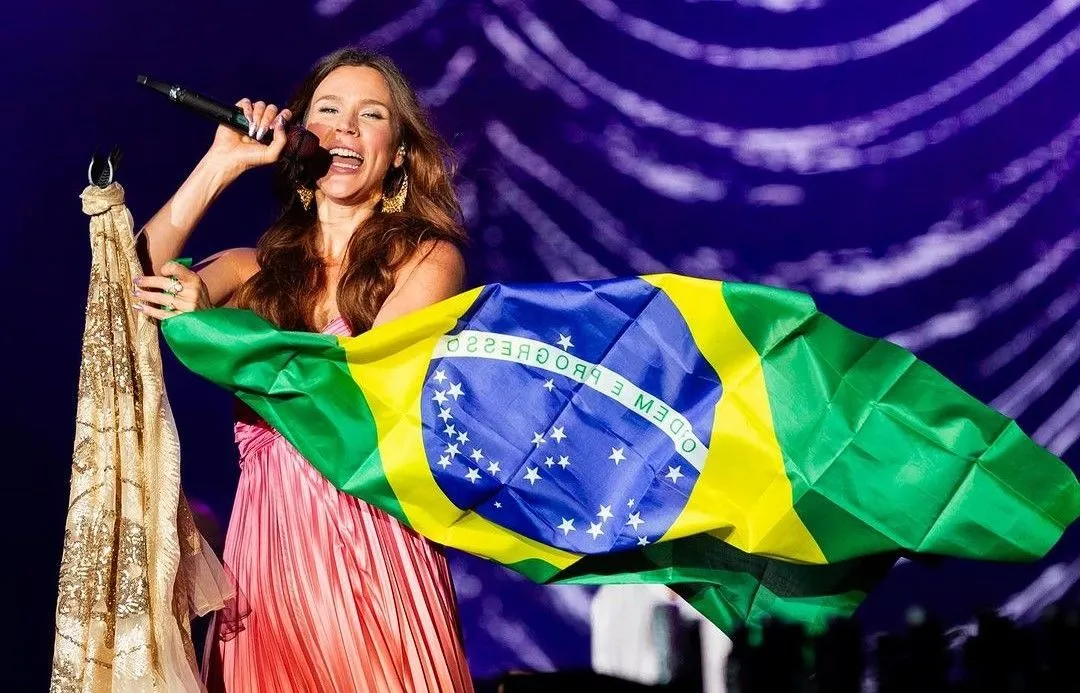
(306, 195)
(391, 205)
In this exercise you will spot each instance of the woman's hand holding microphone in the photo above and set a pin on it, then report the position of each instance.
(177, 289)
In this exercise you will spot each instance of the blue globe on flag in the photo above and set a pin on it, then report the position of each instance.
(587, 435)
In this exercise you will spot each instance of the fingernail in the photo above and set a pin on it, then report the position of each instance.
(279, 122)
(260, 133)
(135, 293)
(138, 306)
(251, 129)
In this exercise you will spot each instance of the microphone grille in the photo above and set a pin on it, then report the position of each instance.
(305, 160)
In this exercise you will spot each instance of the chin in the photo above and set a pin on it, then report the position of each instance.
(343, 192)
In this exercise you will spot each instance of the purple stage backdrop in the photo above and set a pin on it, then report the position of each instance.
(912, 164)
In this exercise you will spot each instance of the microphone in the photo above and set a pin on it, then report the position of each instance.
(305, 160)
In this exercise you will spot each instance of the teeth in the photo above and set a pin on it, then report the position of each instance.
(341, 151)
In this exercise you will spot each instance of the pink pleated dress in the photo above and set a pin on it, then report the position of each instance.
(342, 596)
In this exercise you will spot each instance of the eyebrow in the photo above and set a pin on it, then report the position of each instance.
(334, 97)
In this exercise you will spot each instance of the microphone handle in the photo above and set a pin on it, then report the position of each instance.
(230, 116)
(305, 160)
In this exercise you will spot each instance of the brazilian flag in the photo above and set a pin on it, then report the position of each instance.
(726, 439)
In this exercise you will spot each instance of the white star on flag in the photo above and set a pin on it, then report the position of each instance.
(463, 437)
(635, 520)
(557, 433)
(532, 476)
(498, 504)
(477, 454)
(617, 455)
(440, 376)
(550, 461)
(594, 529)
(452, 450)
(605, 513)
(564, 341)
(549, 385)
(455, 391)
(538, 439)
(674, 474)
(493, 468)
(445, 415)
(440, 396)
(567, 526)
(473, 475)
(450, 430)
(630, 503)
(564, 461)
(642, 541)
(444, 461)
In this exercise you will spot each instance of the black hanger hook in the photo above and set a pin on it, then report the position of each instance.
(102, 170)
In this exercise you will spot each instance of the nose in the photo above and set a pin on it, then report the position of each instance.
(346, 125)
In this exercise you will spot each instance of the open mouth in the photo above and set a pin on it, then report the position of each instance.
(345, 160)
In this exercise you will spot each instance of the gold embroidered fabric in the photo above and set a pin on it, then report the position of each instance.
(135, 570)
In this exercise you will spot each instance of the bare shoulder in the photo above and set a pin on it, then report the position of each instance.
(439, 252)
(433, 259)
(242, 261)
(434, 272)
(226, 271)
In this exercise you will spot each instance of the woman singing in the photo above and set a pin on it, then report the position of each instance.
(342, 596)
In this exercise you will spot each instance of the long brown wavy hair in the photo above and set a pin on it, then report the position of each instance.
(292, 275)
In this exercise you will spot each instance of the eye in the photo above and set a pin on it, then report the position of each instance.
(374, 115)
(327, 109)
